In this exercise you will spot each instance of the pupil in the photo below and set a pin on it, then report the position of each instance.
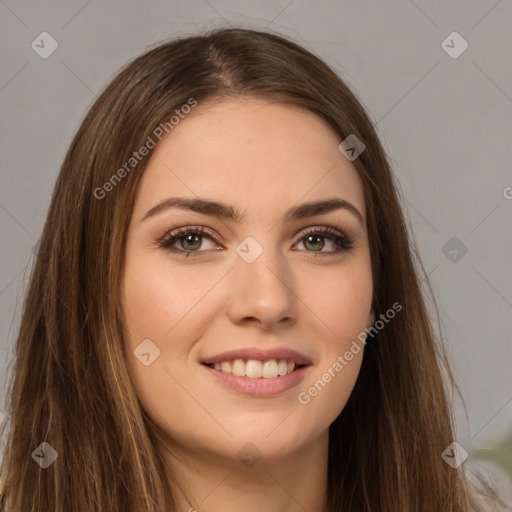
(313, 238)
(188, 239)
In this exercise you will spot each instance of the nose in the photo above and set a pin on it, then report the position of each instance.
(263, 292)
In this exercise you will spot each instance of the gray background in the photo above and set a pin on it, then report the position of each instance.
(445, 122)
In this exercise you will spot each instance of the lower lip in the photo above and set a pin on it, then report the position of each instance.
(259, 387)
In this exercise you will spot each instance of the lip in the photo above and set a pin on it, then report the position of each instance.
(258, 387)
(260, 354)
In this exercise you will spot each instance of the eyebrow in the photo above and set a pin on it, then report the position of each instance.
(224, 211)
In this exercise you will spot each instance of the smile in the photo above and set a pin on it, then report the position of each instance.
(254, 368)
(256, 372)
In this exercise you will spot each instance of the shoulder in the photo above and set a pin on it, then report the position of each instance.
(489, 481)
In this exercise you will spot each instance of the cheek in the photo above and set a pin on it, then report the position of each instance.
(326, 394)
(342, 302)
(158, 298)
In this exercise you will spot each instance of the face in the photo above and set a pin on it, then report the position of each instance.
(231, 319)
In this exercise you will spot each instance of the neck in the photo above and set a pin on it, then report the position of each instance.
(207, 482)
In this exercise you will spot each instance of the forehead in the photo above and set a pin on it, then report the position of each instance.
(253, 153)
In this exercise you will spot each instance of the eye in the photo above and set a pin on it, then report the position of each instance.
(313, 238)
(188, 240)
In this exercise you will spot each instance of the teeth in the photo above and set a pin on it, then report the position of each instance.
(254, 368)
(282, 369)
(225, 367)
(238, 368)
(270, 369)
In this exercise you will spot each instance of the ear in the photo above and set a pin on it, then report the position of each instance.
(372, 318)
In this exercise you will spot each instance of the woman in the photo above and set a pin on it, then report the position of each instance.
(223, 245)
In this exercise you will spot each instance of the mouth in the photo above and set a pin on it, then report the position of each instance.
(255, 368)
(256, 372)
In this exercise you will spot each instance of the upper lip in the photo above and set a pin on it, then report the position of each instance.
(260, 354)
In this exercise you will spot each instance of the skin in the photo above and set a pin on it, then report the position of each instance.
(261, 157)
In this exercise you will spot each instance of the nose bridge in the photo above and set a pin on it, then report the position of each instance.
(262, 282)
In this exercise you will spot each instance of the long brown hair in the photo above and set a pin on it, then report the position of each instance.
(71, 387)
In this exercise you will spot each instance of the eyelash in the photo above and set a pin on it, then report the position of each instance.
(343, 243)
